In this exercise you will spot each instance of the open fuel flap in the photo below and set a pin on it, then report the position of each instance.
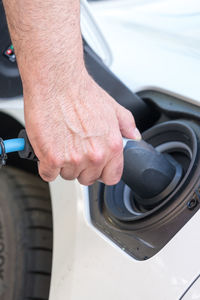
(143, 212)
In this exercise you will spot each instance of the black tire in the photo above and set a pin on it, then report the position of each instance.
(25, 236)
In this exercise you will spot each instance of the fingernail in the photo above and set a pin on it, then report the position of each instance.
(137, 135)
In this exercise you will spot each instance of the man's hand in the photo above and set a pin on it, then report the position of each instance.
(79, 133)
(75, 128)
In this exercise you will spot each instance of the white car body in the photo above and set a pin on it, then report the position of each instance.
(146, 52)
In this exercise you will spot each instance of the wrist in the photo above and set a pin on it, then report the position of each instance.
(57, 86)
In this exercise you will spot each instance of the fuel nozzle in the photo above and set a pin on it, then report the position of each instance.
(151, 175)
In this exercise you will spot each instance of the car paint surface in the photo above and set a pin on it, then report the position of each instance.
(153, 43)
(193, 293)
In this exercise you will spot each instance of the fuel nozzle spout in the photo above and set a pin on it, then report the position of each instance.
(151, 175)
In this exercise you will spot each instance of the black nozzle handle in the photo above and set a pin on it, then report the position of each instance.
(28, 152)
(148, 172)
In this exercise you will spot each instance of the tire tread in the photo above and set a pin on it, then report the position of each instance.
(34, 197)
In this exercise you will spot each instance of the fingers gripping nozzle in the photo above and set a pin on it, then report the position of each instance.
(150, 174)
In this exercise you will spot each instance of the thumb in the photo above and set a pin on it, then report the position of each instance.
(127, 124)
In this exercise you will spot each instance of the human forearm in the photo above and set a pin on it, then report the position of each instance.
(47, 40)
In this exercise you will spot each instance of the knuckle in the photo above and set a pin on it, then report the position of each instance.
(119, 171)
(68, 173)
(54, 161)
(116, 145)
(75, 159)
(112, 181)
(46, 176)
(116, 180)
(96, 157)
(114, 175)
(130, 116)
(85, 182)
(67, 176)
(91, 182)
